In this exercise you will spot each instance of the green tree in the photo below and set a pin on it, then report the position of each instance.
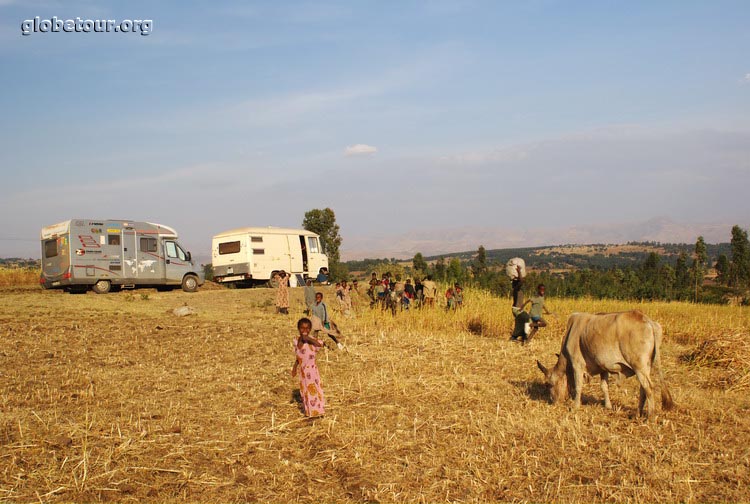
(480, 262)
(323, 222)
(667, 278)
(739, 267)
(418, 263)
(208, 271)
(682, 273)
(722, 269)
(439, 269)
(455, 271)
(649, 287)
(699, 264)
(651, 264)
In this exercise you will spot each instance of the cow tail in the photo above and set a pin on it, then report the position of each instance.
(666, 397)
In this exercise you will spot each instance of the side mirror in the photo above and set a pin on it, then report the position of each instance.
(188, 257)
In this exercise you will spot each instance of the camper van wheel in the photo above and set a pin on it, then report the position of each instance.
(102, 287)
(189, 283)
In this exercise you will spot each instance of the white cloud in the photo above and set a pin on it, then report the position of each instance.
(360, 150)
(747, 78)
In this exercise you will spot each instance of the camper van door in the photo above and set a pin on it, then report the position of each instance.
(129, 260)
(176, 261)
(295, 254)
(150, 263)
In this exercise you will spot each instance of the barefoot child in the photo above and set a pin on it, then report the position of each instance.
(305, 347)
(537, 310)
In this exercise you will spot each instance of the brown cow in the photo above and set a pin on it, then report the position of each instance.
(608, 344)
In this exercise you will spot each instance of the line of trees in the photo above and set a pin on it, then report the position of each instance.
(654, 278)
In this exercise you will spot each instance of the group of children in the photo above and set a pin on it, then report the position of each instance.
(404, 294)
(307, 345)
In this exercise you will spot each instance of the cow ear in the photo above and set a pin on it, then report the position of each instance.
(542, 368)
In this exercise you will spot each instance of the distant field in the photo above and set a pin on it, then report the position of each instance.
(113, 398)
(605, 250)
(10, 277)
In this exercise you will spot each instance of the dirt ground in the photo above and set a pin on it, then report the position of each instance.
(114, 398)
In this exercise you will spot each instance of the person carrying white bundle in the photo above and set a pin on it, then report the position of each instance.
(516, 268)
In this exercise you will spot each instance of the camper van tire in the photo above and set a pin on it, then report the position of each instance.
(190, 283)
(102, 287)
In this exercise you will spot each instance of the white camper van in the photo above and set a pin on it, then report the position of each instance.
(101, 254)
(251, 255)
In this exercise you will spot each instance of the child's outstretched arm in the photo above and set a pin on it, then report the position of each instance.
(312, 341)
(294, 368)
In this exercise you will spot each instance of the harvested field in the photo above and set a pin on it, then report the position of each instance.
(10, 277)
(114, 398)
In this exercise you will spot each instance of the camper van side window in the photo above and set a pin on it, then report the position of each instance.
(229, 247)
(259, 251)
(148, 245)
(313, 244)
(256, 239)
(113, 239)
(50, 248)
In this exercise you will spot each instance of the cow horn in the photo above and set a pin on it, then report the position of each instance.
(542, 368)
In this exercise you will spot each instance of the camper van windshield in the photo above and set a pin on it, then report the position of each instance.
(174, 251)
(313, 244)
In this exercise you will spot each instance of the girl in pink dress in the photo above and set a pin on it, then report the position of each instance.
(305, 347)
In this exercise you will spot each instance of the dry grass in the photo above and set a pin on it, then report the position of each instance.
(112, 398)
(10, 277)
(730, 354)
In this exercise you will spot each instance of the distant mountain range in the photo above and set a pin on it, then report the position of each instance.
(433, 242)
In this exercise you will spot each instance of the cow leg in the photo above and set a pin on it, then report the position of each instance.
(647, 393)
(577, 386)
(605, 390)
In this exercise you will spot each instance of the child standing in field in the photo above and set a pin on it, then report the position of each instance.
(311, 391)
(537, 309)
(430, 291)
(309, 296)
(282, 294)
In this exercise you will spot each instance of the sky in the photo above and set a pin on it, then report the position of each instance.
(405, 117)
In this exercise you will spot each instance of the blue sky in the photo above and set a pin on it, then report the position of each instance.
(401, 116)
